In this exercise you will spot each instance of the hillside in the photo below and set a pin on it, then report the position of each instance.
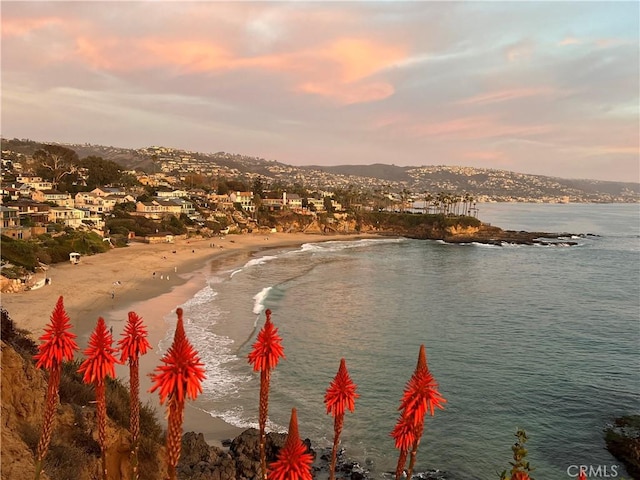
(482, 184)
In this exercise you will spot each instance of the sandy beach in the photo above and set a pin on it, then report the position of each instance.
(150, 280)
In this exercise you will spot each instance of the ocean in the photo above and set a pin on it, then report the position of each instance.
(534, 337)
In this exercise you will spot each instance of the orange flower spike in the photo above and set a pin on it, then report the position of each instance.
(99, 361)
(525, 476)
(58, 344)
(404, 433)
(268, 349)
(134, 339)
(183, 372)
(421, 393)
(341, 393)
(294, 462)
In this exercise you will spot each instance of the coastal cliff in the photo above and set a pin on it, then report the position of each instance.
(450, 229)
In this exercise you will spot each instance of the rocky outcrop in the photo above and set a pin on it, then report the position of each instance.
(200, 461)
(623, 442)
(23, 389)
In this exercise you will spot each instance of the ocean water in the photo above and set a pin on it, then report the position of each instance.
(540, 338)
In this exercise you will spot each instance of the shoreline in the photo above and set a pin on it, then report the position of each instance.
(111, 284)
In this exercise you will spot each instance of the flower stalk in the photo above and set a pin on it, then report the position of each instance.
(57, 345)
(98, 364)
(264, 356)
(340, 396)
(420, 396)
(180, 377)
(132, 345)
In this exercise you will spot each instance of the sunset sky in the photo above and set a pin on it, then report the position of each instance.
(545, 88)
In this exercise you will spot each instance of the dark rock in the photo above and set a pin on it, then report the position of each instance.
(623, 442)
(201, 461)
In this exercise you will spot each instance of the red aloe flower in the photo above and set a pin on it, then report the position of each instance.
(267, 350)
(57, 345)
(99, 364)
(525, 476)
(404, 435)
(581, 475)
(133, 344)
(420, 396)
(340, 395)
(180, 377)
(264, 356)
(294, 462)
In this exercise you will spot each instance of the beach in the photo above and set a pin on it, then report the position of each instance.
(152, 280)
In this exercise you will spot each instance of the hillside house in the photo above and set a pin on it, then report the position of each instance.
(11, 224)
(69, 217)
(157, 209)
(245, 199)
(34, 182)
(316, 204)
(293, 201)
(109, 192)
(38, 213)
(62, 199)
(99, 204)
(165, 194)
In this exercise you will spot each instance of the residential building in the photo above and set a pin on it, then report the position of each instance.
(11, 224)
(245, 199)
(69, 217)
(157, 210)
(62, 199)
(33, 182)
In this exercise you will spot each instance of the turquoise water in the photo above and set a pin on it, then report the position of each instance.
(542, 338)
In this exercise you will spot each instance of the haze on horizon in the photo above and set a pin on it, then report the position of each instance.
(546, 88)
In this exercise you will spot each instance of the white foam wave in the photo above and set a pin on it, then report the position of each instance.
(254, 262)
(484, 245)
(337, 245)
(259, 298)
(215, 353)
(202, 297)
(237, 417)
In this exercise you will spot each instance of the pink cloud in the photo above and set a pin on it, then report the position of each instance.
(360, 58)
(570, 41)
(15, 27)
(349, 93)
(505, 95)
(472, 128)
(189, 55)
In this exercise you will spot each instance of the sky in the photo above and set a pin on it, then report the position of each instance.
(546, 88)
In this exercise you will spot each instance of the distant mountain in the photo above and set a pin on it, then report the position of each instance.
(483, 184)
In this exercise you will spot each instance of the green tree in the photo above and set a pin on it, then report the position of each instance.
(100, 172)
